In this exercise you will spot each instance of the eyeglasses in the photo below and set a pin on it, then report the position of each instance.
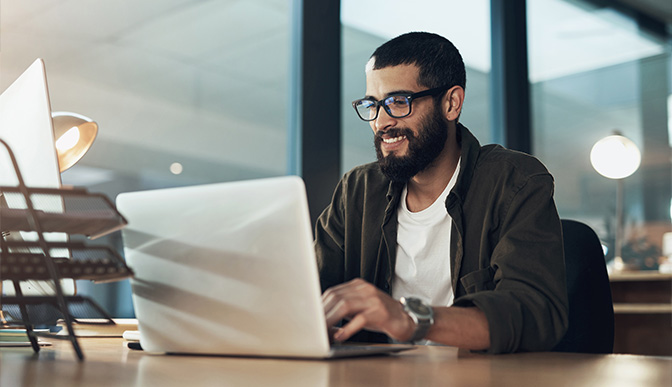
(397, 105)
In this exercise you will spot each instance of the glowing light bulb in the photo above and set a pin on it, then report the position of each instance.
(68, 140)
(615, 157)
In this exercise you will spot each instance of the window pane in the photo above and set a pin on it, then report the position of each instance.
(203, 84)
(593, 72)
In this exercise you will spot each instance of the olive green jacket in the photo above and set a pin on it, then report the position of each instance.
(506, 248)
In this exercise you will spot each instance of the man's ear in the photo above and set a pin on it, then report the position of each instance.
(452, 103)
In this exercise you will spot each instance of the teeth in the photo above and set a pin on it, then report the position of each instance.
(393, 140)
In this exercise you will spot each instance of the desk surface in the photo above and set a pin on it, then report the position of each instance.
(109, 363)
(643, 275)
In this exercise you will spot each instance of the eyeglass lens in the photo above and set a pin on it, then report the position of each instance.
(396, 106)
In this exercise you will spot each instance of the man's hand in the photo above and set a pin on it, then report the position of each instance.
(367, 308)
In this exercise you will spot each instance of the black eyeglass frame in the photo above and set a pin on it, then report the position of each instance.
(409, 98)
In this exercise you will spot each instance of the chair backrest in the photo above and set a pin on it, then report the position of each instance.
(591, 311)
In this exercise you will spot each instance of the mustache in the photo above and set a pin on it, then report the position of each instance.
(394, 132)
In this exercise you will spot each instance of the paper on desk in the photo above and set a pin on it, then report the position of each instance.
(15, 344)
(100, 330)
(19, 338)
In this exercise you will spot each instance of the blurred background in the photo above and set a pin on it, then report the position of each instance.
(196, 91)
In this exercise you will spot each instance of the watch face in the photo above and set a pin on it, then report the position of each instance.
(422, 315)
(422, 309)
(419, 307)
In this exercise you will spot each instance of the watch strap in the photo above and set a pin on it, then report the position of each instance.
(422, 322)
(421, 330)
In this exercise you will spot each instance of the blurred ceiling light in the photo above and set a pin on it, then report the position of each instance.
(176, 168)
(74, 135)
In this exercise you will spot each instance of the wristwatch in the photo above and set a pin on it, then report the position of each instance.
(422, 315)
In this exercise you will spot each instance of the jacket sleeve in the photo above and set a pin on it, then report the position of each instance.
(330, 240)
(527, 309)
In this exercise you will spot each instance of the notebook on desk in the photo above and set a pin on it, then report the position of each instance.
(228, 269)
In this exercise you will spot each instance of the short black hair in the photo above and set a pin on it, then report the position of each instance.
(439, 61)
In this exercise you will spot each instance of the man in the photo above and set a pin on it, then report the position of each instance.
(441, 239)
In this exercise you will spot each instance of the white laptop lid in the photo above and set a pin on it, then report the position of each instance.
(26, 126)
(225, 269)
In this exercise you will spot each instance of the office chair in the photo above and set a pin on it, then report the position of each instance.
(591, 311)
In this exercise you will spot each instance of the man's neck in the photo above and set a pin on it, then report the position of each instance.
(425, 187)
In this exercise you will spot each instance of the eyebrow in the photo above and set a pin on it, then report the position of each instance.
(391, 93)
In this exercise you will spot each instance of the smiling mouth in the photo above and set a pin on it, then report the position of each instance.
(393, 139)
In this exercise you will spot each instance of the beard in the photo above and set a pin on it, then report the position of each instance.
(422, 150)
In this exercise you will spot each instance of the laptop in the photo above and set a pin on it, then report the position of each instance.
(228, 269)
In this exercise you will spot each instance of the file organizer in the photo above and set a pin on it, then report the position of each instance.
(82, 213)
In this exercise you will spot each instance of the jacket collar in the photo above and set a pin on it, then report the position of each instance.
(470, 149)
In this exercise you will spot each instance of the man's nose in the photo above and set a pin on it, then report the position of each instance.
(383, 122)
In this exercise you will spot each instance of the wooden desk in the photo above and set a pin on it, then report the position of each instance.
(642, 312)
(109, 363)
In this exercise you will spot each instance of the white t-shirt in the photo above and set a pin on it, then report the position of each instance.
(423, 268)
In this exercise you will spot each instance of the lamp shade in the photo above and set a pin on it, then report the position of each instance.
(615, 157)
(74, 135)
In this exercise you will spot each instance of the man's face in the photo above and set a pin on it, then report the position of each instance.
(405, 146)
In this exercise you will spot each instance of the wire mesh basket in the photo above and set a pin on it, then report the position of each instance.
(36, 225)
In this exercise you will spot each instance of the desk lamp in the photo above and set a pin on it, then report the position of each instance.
(74, 135)
(616, 157)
